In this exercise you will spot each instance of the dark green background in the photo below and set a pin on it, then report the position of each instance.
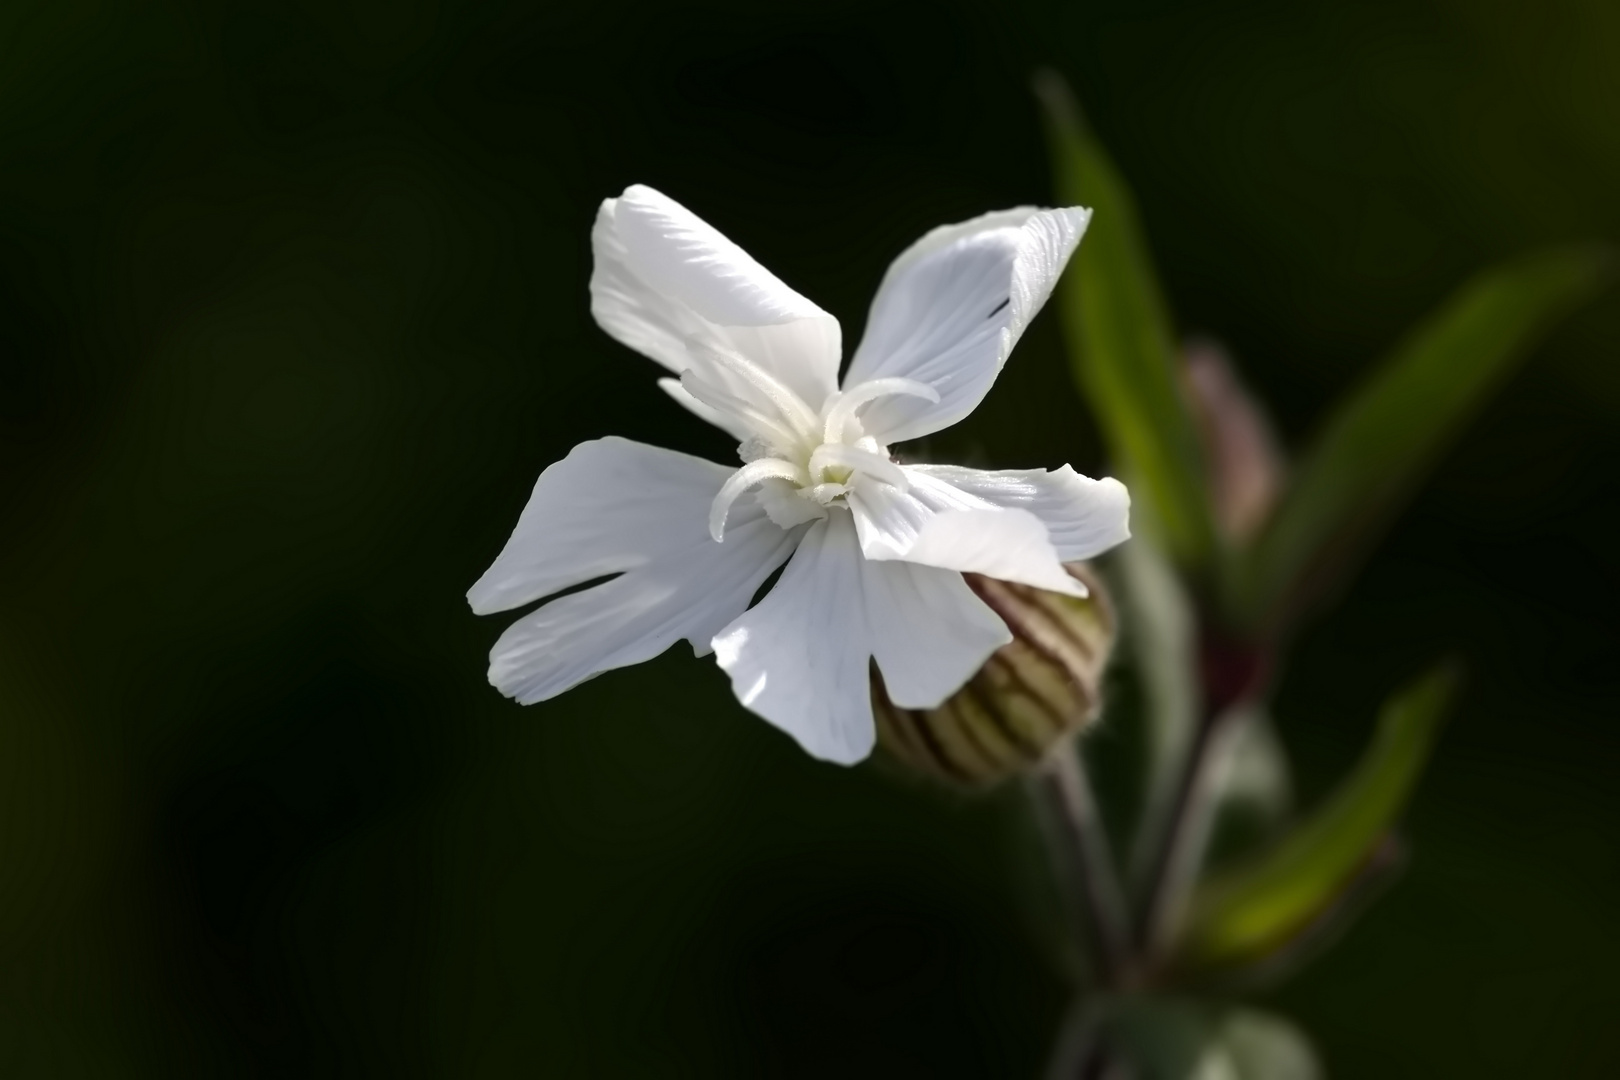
(293, 311)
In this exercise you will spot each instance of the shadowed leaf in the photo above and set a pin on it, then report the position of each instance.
(1123, 351)
(1383, 439)
(1246, 914)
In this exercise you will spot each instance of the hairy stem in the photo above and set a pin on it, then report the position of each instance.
(1179, 852)
(1083, 862)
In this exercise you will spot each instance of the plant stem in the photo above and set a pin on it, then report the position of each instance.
(1083, 1052)
(1083, 862)
(1190, 820)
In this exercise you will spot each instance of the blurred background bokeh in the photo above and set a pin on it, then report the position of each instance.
(293, 311)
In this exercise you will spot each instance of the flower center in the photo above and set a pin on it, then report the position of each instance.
(801, 460)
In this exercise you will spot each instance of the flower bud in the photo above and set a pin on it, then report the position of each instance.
(1246, 470)
(1033, 691)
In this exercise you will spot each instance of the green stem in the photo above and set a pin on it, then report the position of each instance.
(1180, 851)
(1083, 862)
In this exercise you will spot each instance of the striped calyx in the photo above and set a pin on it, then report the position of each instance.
(1032, 692)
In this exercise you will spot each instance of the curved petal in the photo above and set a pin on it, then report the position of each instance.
(937, 525)
(636, 616)
(1083, 517)
(889, 517)
(618, 507)
(629, 309)
(611, 505)
(930, 633)
(684, 257)
(951, 308)
(683, 397)
(800, 657)
(1010, 545)
(663, 278)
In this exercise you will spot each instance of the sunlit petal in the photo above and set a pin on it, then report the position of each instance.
(618, 507)
(952, 307)
(800, 657)
(918, 526)
(1083, 517)
(930, 633)
(663, 278)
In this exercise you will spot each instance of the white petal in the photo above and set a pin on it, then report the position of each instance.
(636, 616)
(1083, 517)
(663, 278)
(800, 657)
(930, 633)
(654, 324)
(803, 354)
(684, 398)
(951, 308)
(614, 506)
(1007, 544)
(937, 525)
(611, 505)
(887, 519)
(684, 257)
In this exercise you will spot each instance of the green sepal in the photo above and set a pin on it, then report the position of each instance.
(1259, 908)
(1382, 440)
(1122, 346)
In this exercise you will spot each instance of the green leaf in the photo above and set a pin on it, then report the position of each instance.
(1384, 438)
(1248, 975)
(1256, 909)
(1121, 341)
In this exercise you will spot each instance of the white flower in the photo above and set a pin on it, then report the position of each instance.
(875, 551)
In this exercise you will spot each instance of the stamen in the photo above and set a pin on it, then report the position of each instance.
(876, 466)
(844, 407)
(755, 472)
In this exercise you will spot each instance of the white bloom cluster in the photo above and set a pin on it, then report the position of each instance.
(875, 551)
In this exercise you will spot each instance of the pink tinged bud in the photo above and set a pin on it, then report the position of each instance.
(1245, 468)
(1033, 692)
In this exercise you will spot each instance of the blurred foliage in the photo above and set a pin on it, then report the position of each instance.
(1227, 595)
(1375, 447)
(1379, 443)
(292, 312)
(1123, 344)
(1180, 1040)
(1248, 913)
